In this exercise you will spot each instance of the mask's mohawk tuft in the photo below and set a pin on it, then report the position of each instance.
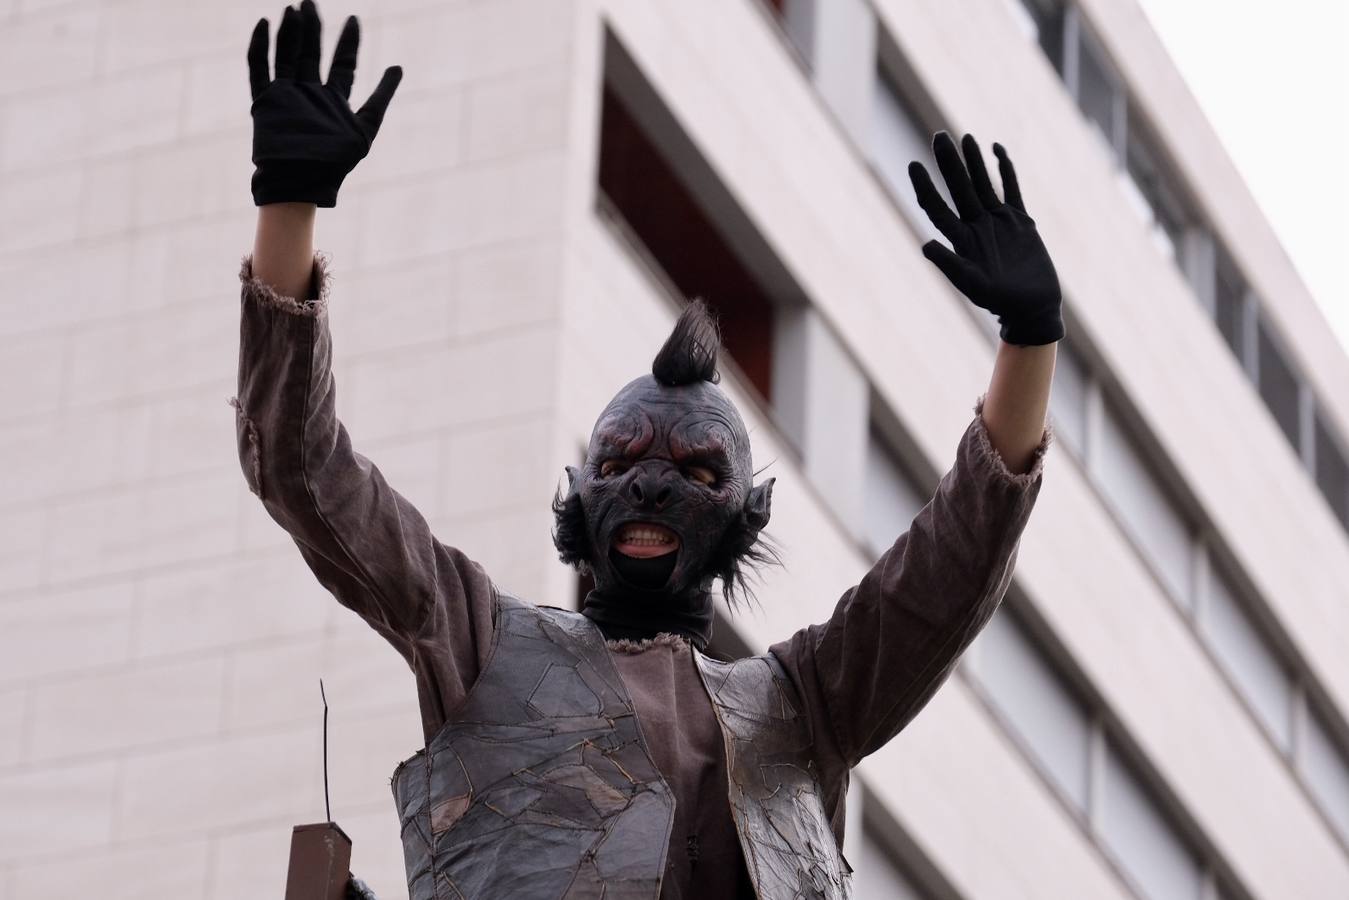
(689, 354)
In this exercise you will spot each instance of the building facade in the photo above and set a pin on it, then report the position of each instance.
(1161, 707)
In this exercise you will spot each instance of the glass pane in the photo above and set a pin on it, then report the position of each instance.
(1096, 93)
(1230, 306)
(897, 138)
(1147, 512)
(1248, 659)
(1278, 386)
(1068, 399)
(1332, 471)
(891, 501)
(1143, 841)
(1162, 200)
(1030, 693)
(1326, 771)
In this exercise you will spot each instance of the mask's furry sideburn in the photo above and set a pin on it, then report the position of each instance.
(569, 531)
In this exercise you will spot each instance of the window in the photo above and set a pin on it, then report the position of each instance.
(1033, 697)
(1148, 513)
(1278, 385)
(890, 499)
(899, 137)
(1248, 659)
(1141, 838)
(1160, 198)
(1099, 93)
(1332, 471)
(1326, 771)
(1229, 295)
(656, 203)
(1068, 399)
(1046, 17)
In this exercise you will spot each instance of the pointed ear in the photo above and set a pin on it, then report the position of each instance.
(573, 474)
(759, 505)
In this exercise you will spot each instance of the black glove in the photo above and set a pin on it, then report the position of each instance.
(305, 136)
(999, 262)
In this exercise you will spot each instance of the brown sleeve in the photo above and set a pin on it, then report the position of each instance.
(363, 540)
(893, 639)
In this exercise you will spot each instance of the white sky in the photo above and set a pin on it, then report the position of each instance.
(1273, 78)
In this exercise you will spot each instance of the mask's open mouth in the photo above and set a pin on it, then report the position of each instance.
(645, 540)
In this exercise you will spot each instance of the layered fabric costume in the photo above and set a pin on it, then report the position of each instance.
(561, 761)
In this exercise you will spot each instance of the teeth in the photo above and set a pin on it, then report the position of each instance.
(645, 537)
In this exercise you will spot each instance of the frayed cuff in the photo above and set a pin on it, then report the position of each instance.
(265, 294)
(991, 461)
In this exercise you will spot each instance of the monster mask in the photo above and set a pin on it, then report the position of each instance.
(665, 502)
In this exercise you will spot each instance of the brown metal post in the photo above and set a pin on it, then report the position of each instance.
(320, 862)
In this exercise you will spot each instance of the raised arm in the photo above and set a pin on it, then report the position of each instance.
(363, 540)
(895, 637)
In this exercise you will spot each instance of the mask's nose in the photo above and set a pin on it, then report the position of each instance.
(649, 490)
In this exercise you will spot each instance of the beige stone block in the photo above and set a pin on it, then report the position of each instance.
(247, 862)
(466, 207)
(21, 535)
(13, 702)
(365, 675)
(423, 131)
(363, 751)
(107, 199)
(170, 868)
(99, 534)
(506, 542)
(117, 711)
(504, 285)
(188, 180)
(51, 632)
(75, 453)
(188, 518)
(182, 347)
(216, 86)
(499, 465)
(56, 810)
(520, 112)
(464, 41)
(228, 603)
(52, 288)
(134, 110)
(143, 33)
(419, 392)
(31, 376)
(222, 784)
(187, 434)
(44, 129)
(276, 685)
(48, 50)
(405, 304)
(41, 208)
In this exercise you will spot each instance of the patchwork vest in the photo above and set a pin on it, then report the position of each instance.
(541, 786)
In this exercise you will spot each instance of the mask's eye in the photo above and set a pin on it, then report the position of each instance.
(701, 474)
(612, 467)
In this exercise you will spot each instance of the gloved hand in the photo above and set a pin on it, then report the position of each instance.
(306, 139)
(999, 261)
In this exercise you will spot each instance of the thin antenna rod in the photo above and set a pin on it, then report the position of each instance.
(326, 805)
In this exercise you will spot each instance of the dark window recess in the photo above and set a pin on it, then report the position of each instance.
(1048, 18)
(1097, 93)
(662, 213)
(1229, 296)
(776, 5)
(1278, 386)
(1332, 472)
(1145, 168)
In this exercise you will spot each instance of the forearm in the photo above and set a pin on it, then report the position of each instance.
(1017, 403)
(283, 248)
